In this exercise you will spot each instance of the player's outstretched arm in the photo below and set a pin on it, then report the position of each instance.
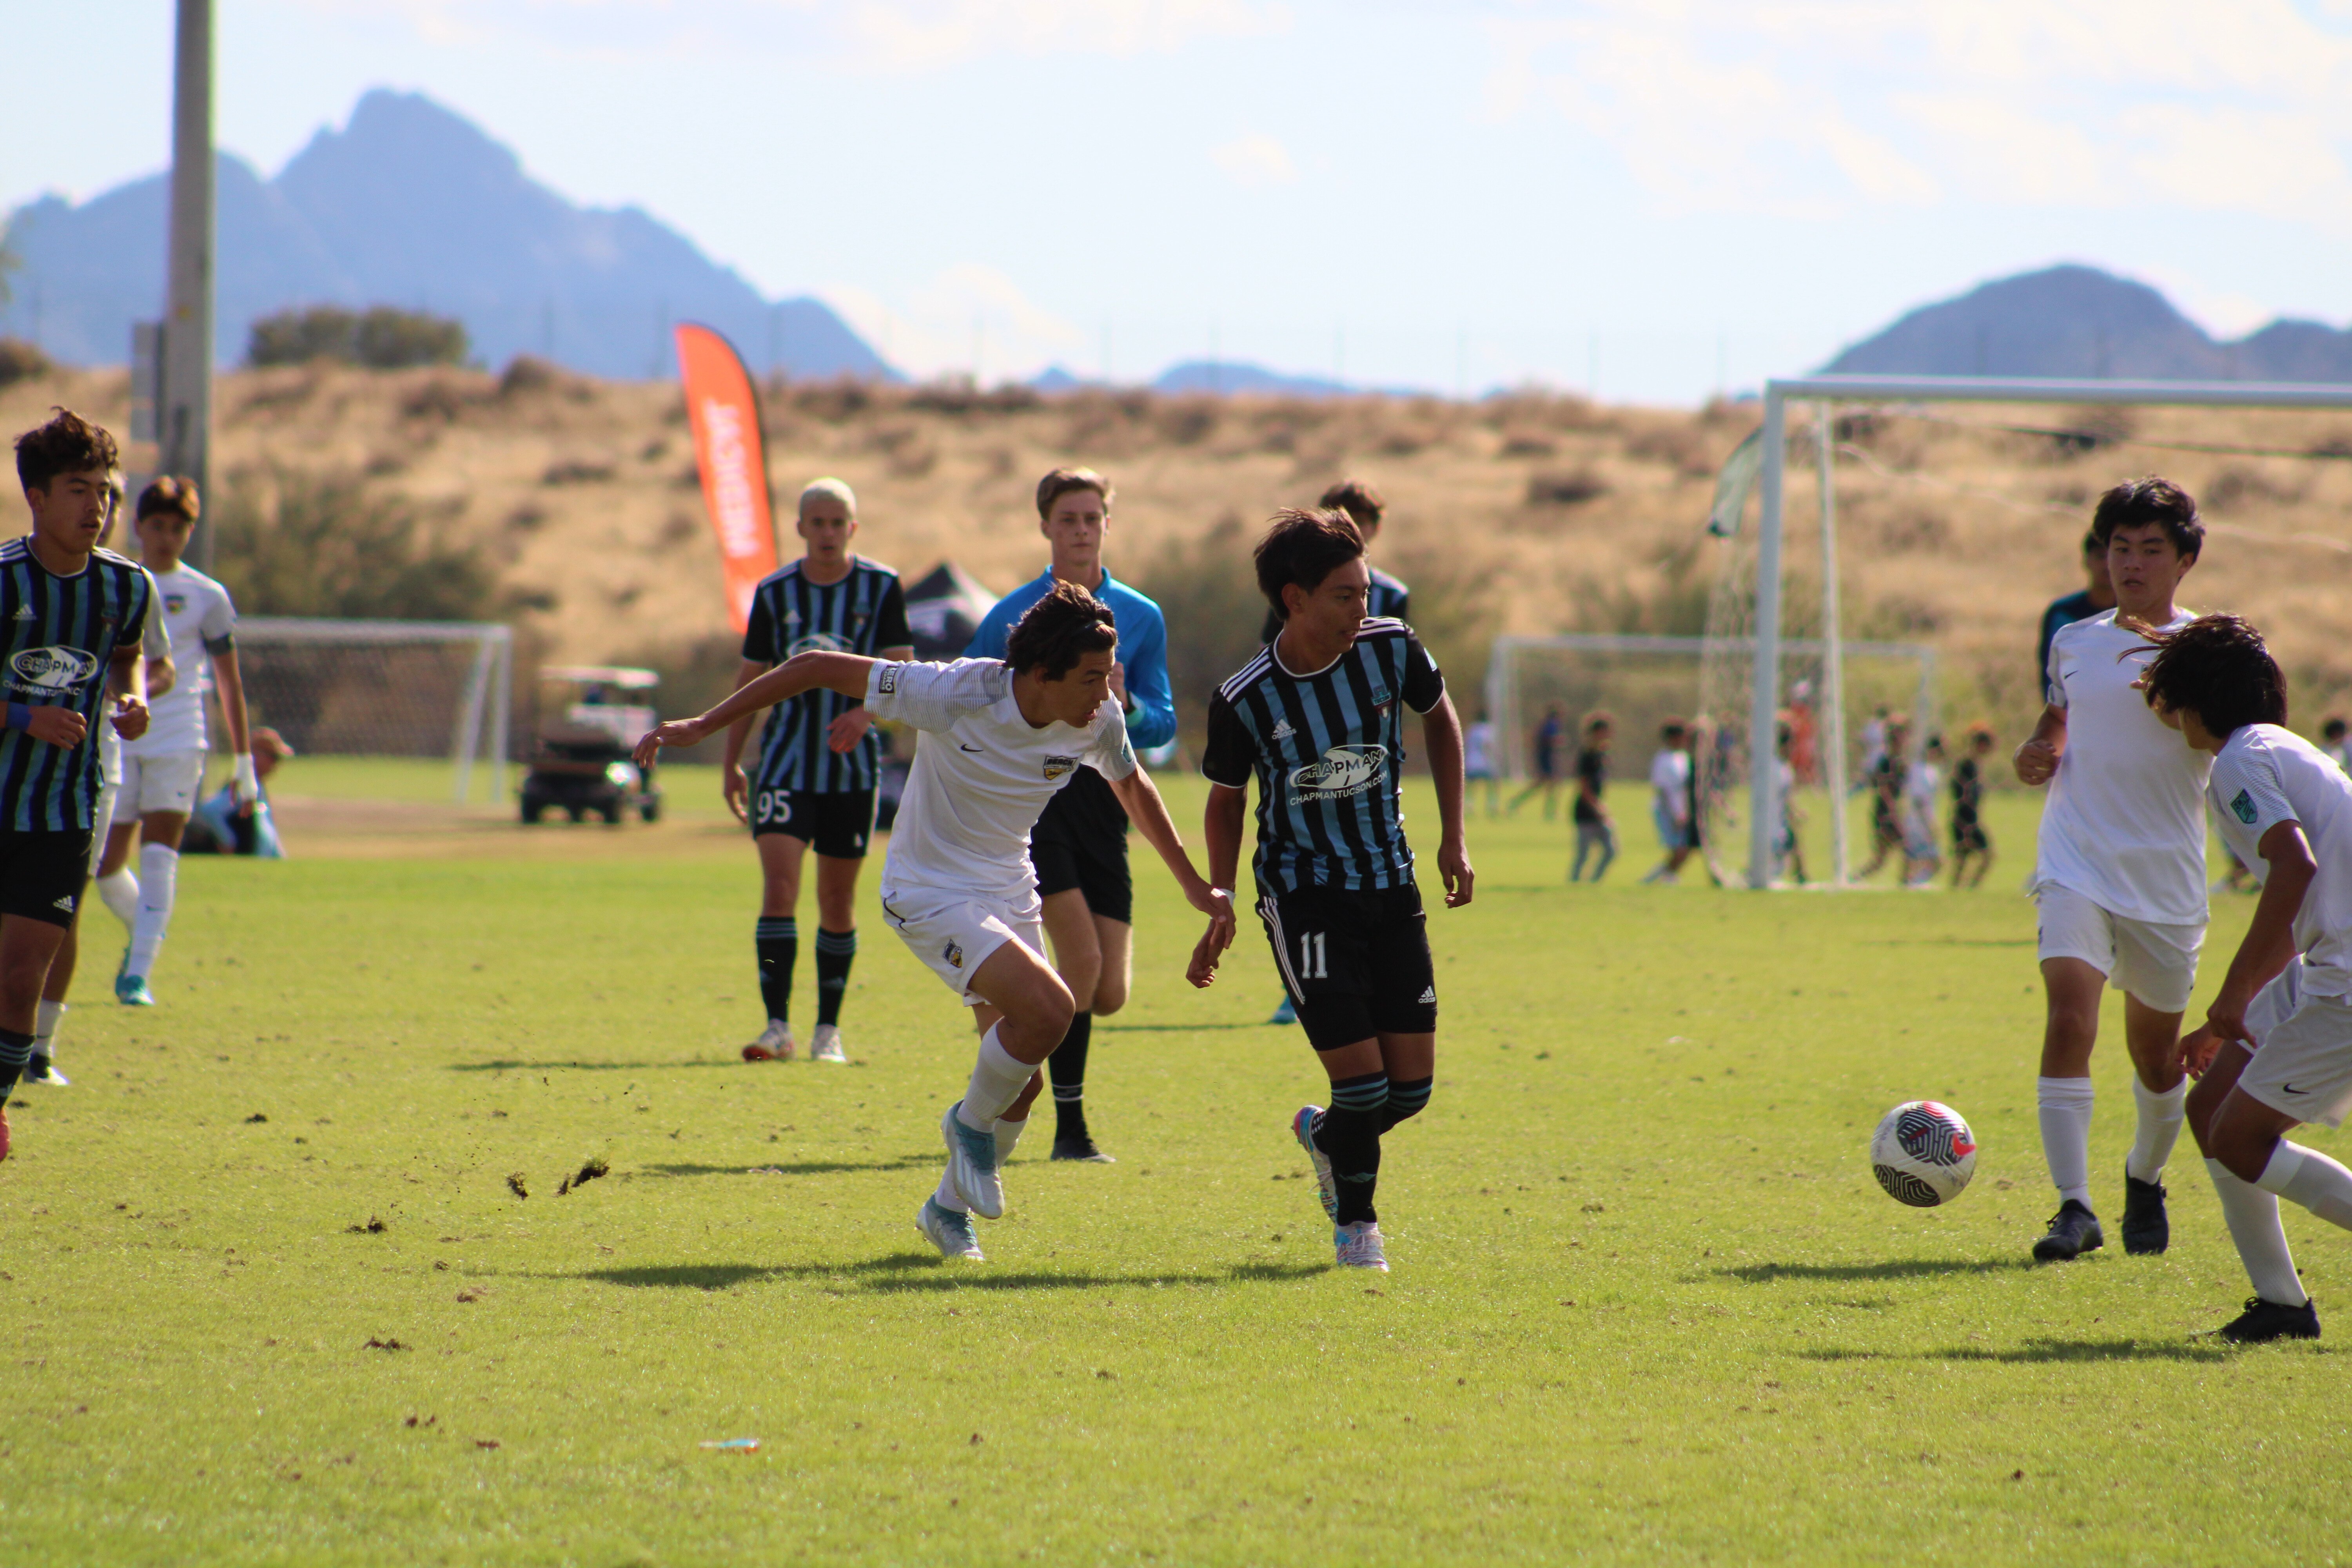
(733, 787)
(844, 734)
(1441, 732)
(1148, 812)
(2268, 945)
(2037, 757)
(843, 672)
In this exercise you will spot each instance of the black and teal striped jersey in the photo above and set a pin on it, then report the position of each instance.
(1326, 748)
(1386, 597)
(58, 638)
(863, 613)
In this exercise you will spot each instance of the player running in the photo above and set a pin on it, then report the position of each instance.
(71, 616)
(819, 761)
(2276, 1048)
(1315, 717)
(164, 768)
(1080, 846)
(997, 741)
(2120, 878)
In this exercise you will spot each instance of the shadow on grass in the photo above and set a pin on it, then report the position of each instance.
(505, 1065)
(2044, 1351)
(1945, 942)
(796, 1167)
(902, 1271)
(1178, 1028)
(1894, 1268)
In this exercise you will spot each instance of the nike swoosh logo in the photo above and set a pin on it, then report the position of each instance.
(2290, 1088)
(961, 747)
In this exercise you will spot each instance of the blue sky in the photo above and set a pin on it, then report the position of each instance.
(1652, 199)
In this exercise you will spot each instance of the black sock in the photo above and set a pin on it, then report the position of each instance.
(835, 948)
(15, 1050)
(1349, 1136)
(777, 942)
(1406, 1098)
(1066, 1068)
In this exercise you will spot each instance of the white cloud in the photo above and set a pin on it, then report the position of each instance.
(1255, 160)
(968, 319)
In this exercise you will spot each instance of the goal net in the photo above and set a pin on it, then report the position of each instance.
(385, 688)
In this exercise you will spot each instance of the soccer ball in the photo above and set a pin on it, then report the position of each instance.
(1922, 1153)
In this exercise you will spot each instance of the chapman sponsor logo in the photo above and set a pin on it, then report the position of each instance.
(1341, 770)
(818, 642)
(1057, 767)
(52, 668)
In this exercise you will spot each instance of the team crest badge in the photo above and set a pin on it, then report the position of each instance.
(1057, 767)
(954, 955)
(2242, 808)
(175, 602)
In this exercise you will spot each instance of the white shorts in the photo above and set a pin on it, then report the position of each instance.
(2156, 964)
(954, 932)
(2303, 1065)
(166, 782)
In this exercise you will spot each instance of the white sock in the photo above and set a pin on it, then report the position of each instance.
(159, 884)
(948, 1198)
(2252, 1217)
(1008, 1133)
(45, 1027)
(997, 1081)
(2159, 1128)
(2063, 1105)
(2311, 1179)
(120, 893)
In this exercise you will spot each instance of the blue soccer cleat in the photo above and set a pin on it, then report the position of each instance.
(1286, 1014)
(972, 1164)
(131, 990)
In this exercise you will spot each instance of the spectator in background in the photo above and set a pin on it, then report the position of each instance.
(1804, 734)
(1873, 748)
(1591, 812)
(1547, 737)
(218, 825)
(1478, 757)
(1885, 781)
(2096, 598)
(1922, 780)
(1670, 800)
(2333, 744)
(1969, 840)
(1786, 850)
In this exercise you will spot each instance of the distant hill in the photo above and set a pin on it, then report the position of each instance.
(410, 205)
(2080, 322)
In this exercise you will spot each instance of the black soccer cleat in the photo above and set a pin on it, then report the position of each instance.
(2146, 1228)
(2073, 1231)
(1081, 1148)
(2263, 1322)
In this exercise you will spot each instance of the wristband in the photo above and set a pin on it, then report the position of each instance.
(20, 717)
(247, 781)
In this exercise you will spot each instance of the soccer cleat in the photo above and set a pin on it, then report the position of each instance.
(2263, 1322)
(2146, 1228)
(1302, 1127)
(948, 1231)
(41, 1070)
(774, 1044)
(131, 990)
(1286, 1014)
(972, 1164)
(1082, 1149)
(2073, 1231)
(825, 1046)
(1359, 1246)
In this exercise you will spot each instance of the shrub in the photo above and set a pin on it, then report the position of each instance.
(293, 544)
(380, 338)
(1573, 487)
(22, 361)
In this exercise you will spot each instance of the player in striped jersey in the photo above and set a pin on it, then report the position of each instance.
(1315, 717)
(71, 617)
(819, 758)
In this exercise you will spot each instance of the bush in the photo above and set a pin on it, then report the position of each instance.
(1573, 487)
(22, 361)
(380, 337)
(294, 544)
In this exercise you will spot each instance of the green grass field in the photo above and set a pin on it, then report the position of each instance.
(1648, 1303)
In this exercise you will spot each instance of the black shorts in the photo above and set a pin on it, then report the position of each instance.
(1073, 846)
(1968, 837)
(42, 874)
(1355, 963)
(837, 823)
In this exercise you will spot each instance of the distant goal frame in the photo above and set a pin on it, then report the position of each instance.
(1830, 390)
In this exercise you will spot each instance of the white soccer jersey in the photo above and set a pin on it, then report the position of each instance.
(1670, 781)
(2124, 824)
(1921, 785)
(201, 621)
(2267, 775)
(982, 774)
(154, 643)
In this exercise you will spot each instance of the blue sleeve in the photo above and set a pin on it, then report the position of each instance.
(988, 642)
(1153, 722)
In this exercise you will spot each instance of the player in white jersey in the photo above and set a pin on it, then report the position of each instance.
(163, 768)
(2120, 880)
(2276, 1048)
(997, 740)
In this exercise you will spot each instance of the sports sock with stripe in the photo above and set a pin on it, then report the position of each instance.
(1407, 1097)
(158, 886)
(2063, 1108)
(14, 1048)
(2253, 1216)
(2159, 1128)
(1066, 1070)
(2312, 1179)
(777, 939)
(1348, 1134)
(835, 951)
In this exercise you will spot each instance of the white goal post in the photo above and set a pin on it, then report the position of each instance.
(384, 688)
(1830, 391)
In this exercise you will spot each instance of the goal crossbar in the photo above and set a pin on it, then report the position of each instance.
(1832, 390)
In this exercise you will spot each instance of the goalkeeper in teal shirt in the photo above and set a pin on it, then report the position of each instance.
(1079, 847)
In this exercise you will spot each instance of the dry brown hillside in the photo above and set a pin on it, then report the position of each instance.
(1526, 514)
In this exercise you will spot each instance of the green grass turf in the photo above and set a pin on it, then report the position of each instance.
(1648, 1304)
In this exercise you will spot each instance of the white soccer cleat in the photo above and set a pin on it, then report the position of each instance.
(1359, 1246)
(42, 1071)
(972, 1164)
(774, 1044)
(1326, 1186)
(948, 1231)
(825, 1046)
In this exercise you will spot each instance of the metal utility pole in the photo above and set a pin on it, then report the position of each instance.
(183, 425)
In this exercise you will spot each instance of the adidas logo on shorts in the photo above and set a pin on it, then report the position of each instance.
(65, 903)
(1429, 994)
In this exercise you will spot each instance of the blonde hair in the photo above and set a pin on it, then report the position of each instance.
(828, 489)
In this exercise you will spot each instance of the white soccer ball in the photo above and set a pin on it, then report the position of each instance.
(1922, 1153)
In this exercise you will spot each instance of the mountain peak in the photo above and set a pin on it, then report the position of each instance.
(392, 131)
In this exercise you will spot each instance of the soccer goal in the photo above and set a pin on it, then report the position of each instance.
(1746, 682)
(385, 688)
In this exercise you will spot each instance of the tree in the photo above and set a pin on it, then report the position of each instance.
(380, 337)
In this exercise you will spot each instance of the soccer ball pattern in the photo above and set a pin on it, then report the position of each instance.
(1922, 1153)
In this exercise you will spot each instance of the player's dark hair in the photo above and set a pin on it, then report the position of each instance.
(1304, 547)
(1362, 504)
(1979, 734)
(2218, 668)
(2135, 503)
(171, 495)
(1673, 729)
(1061, 481)
(1599, 719)
(67, 444)
(2332, 728)
(1058, 630)
(2092, 543)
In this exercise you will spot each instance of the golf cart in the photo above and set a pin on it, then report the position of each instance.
(581, 764)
